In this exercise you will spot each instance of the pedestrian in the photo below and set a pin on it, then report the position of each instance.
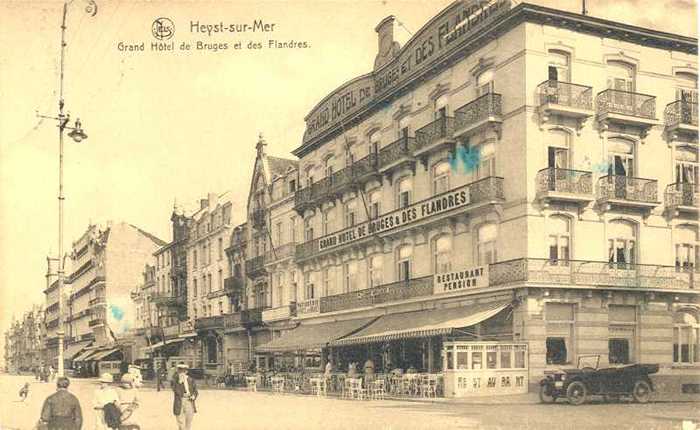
(61, 410)
(52, 373)
(160, 375)
(104, 395)
(24, 392)
(186, 393)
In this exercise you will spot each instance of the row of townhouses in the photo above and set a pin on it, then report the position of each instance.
(514, 189)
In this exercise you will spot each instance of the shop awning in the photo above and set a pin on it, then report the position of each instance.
(186, 335)
(73, 349)
(103, 354)
(434, 322)
(313, 336)
(85, 354)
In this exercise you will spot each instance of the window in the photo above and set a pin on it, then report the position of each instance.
(209, 283)
(309, 176)
(484, 83)
(558, 159)
(194, 287)
(405, 194)
(404, 258)
(280, 289)
(559, 319)
(308, 229)
(376, 264)
(308, 286)
(441, 107)
(280, 233)
(327, 288)
(349, 276)
(686, 175)
(375, 204)
(441, 177)
(621, 243)
(559, 238)
(293, 283)
(350, 209)
(329, 165)
(221, 308)
(487, 235)
(293, 229)
(621, 78)
(558, 68)
(205, 260)
(487, 159)
(374, 138)
(221, 249)
(622, 320)
(442, 254)
(327, 223)
(685, 242)
(221, 279)
(209, 253)
(403, 124)
(194, 258)
(292, 185)
(686, 331)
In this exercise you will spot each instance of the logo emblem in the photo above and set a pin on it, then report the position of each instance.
(163, 28)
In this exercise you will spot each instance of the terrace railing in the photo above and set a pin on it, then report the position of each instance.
(626, 103)
(566, 94)
(619, 187)
(570, 181)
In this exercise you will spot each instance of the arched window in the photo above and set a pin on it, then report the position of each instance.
(375, 204)
(405, 192)
(484, 83)
(376, 263)
(442, 254)
(374, 139)
(558, 68)
(621, 159)
(441, 177)
(622, 243)
(404, 262)
(685, 241)
(559, 238)
(486, 165)
(487, 235)
(441, 106)
(686, 332)
(403, 124)
(308, 229)
(621, 76)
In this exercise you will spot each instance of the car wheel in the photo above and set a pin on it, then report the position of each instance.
(545, 396)
(641, 392)
(576, 393)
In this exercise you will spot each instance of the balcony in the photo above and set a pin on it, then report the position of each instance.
(171, 331)
(564, 185)
(682, 198)
(591, 274)
(258, 219)
(308, 307)
(397, 154)
(168, 298)
(626, 108)
(233, 320)
(96, 321)
(255, 266)
(391, 292)
(625, 191)
(251, 317)
(478, 114)
(101, 300)
(234, 286)
(565, 99)
(681, 117)
(209, 323)
(280, 253)
(279, 313)
(435, 135)
(465, 198)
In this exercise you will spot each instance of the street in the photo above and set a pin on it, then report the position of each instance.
(227, 409)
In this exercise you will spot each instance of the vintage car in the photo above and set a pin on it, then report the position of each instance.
(577, 385)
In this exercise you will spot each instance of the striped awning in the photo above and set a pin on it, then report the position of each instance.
(73, 349)
(433, 322)
(100, 355)
(85, 354)
(313, 336)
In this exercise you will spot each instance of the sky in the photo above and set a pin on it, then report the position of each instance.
(178, 125)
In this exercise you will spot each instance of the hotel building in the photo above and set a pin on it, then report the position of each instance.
(512, 190)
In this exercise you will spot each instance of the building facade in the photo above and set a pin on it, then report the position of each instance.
(24, 342)
(491, 200)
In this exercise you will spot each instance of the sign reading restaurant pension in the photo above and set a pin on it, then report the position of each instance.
(455, 24)
(460, 280)
(445, 202)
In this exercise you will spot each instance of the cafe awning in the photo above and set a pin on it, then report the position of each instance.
(433, 322)
(101, 355)
(85, 354)
(73, 349)
(314, 336)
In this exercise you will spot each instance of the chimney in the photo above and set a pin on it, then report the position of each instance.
(212, 200)
(387, 47)
(261, 145)
(203, 203)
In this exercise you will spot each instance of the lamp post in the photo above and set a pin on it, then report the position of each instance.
(77, 134)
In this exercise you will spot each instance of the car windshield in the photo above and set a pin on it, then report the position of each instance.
(588, 361)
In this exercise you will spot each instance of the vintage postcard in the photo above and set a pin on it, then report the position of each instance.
(370, 214)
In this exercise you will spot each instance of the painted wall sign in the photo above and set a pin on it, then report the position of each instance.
(445, 202)
(453, 25)
(460, 280)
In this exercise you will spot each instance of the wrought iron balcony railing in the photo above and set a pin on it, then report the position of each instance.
(234, 319)
(280, 312)
(681, 112)
(400, 290)
(441, 128)
(212, 322)
(682, 194)
(252, 317)
(255, 265)
(168, 298)
(397, 151)
(234, 285)
(553, 180)
(626, 103)
(591, 274)
(258, 219)
(479, 109)
(566, 94)
(618, 187)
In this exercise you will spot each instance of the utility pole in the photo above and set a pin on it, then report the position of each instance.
(584, 11)
(78, 135)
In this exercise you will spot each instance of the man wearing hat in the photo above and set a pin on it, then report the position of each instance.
(61, 410)
(185, 394)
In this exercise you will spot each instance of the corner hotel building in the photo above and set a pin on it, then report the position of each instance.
(513, 189)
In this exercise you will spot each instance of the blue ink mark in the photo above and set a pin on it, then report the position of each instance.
(600, 167)
(117, 312)
(465, 159)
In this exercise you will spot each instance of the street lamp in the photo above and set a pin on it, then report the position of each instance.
(78, 135)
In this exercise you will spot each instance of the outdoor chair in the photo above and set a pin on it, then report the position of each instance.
(277, 383)
(378, 389)
(251, 383)
(318, 386)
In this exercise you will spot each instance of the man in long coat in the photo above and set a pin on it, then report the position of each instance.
(186, 393)
(61, 410)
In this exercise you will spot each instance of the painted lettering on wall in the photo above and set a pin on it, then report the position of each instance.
(461, 280)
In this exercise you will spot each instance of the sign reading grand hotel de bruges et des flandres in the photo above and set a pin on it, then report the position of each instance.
(445, 202)
(457, 23)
